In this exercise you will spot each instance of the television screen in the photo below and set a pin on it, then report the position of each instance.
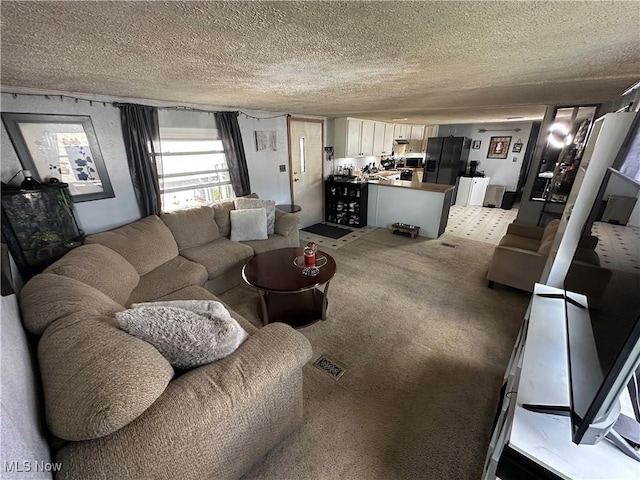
(606, 268)
(628, 164)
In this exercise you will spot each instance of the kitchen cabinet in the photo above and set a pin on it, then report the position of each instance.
(366, 138)
(416, 137)
(471, 191)
(353, 137)
(400, 131)
(346, 203)
(389, 130)
(383, 138)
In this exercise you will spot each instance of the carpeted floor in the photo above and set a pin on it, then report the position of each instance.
(425, 344)
(334, 244)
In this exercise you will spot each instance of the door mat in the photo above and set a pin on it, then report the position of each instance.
(328, 230)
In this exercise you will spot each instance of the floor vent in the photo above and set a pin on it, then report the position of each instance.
(331, 368)
(450, 245)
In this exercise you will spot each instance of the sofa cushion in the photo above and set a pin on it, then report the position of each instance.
(48, 297)
(545, 247)
(248, 224)
(269, 205)
(186, 335)
(550, 231)
(221, 214)
(192, 227)
(96, 377)
(146, 244)
(101, 268)
(195, 292)
(516, 241)
(219, 256)
(175, 274)
(271, 243)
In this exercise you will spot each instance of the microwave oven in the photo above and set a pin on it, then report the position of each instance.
(413, 162)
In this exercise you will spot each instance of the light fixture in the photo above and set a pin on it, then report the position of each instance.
(631, 88)
(483, 130)
(559, 136)
(398, 119)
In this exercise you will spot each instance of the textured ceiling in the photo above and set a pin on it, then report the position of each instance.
(431, 62)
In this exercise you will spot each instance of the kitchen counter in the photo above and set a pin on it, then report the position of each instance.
(423, 204)
(427, 187)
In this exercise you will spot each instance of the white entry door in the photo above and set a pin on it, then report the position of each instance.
(306, 168)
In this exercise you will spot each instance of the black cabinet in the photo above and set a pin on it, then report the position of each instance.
(39, 226)
(345, 203)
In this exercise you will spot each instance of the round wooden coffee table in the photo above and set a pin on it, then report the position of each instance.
(286, 295)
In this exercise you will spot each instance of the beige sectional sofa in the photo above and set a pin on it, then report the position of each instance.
(116, 406)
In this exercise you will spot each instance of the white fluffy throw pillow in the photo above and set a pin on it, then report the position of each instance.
(186, 337)
(249, 224)
(269, 205)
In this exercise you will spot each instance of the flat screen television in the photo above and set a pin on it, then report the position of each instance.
(597, 382)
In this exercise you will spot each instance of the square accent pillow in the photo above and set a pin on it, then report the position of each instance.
(248, 224)
(186, 338)
(270, 206)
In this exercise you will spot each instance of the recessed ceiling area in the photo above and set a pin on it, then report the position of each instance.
(429, 62)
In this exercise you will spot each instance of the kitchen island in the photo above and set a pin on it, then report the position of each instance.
(423, 204)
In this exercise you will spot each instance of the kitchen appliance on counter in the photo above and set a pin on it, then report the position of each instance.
(388, 163)
(446, 159)
(415, 162)
(406, 175)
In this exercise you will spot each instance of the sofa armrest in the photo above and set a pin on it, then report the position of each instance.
(588, 279)
(525, 231)
(208, 421)
(287, 225)
(516, 267)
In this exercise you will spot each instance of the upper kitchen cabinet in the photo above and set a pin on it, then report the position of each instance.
(401, 131)
(383, 138)
(416, 139)
(353, 137)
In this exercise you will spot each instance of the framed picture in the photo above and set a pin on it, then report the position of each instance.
(517, 147)
(63, 147)
(476, 144)
(499, 147)
(265, 140)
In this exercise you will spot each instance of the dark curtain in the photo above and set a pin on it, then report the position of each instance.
(142, 142)
(234, 151)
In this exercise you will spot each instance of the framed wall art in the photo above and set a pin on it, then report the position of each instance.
(265, 140)
(498, 147)
(63, 147)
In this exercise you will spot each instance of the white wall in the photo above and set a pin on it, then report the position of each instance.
(99, 215)
(96, 215)
(264, 166)
(501, 171)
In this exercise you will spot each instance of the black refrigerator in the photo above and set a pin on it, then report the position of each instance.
(446, 159)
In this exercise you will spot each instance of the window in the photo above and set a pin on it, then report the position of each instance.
(192, 169)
